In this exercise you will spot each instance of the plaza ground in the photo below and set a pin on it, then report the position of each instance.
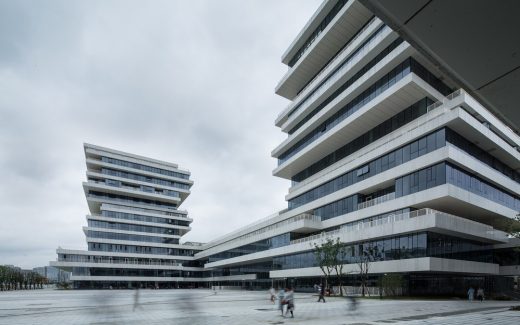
(202, 306)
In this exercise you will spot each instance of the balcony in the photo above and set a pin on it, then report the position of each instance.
(442, 222)
(377, 200)
(308, 99)
(345, 25)
(180, 213)
(302, 223)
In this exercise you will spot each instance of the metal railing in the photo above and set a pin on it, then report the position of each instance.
(136, 189)
(127, 201)
(193, 243)
(259, 232)
(304, 216)
(446, 99)
(129, 261)
(367, 223)
(392, 218)
(377, 200)
(323, 235)
(107, 206)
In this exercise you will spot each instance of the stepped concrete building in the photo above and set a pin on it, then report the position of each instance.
(384, 151)
(134, 226)
(391, 156)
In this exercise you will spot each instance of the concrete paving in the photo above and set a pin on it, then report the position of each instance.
(199, 306)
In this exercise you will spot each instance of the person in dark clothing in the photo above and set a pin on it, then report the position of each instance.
(322, 293)
(289, 298)
(480, 294)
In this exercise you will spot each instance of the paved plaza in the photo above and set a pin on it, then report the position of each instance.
(199, 306)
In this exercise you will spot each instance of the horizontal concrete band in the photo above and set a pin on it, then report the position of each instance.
(119, 254)
(436, 222)
(244, 277)
(423, 264)
(64, 264)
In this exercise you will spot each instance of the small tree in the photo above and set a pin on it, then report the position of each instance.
(329, 256)
(324, 258)
(339, 253)
(367, 255)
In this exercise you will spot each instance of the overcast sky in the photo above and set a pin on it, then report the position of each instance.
(190, 82)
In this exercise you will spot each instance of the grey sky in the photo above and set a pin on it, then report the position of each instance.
(191, 82)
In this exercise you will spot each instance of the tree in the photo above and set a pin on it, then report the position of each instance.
(367, 255)
(339, 252)
(513, 227)
(13, 278)
(329, 256)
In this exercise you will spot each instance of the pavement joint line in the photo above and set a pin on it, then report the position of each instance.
(450, 313)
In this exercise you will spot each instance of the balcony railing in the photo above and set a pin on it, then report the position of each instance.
(392, 218)
(107, 206)
(377, 200)
(259, 232)
(127, 201)
(490, 126)
(136, 189)
(446, 99)
(363, 224)
(129, 261)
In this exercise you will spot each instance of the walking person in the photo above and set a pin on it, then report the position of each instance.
(289, 298)
(317, 287)
(480, 294)
(281, 300)
(322, 293)
(353, 303)
(471, 294)
(272, 292)
(136, 299)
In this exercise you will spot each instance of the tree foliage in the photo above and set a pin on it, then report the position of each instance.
(513, 227)
(12, 278)
(366, 256)
(329, 256)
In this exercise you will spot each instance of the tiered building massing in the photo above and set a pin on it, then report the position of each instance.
(383, 151)
(390, 156)
(134, 226)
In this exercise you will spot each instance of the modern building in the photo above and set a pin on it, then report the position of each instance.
(388, 154)
(134, 226)
(384, 151)
(53, 274)
(482, 56)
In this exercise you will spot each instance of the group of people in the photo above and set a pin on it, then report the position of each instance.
(480, 294)
(284, 297)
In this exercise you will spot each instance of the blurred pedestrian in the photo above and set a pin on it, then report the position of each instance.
(322, 293)
(272, 292)
(353, 303)
(281, 299)
(289, 298)
(471, 293)
(136, 299)
(480, 294)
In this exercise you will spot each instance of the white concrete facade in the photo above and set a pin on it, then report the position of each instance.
(476, 146)
(134, 226)
(384, 152)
